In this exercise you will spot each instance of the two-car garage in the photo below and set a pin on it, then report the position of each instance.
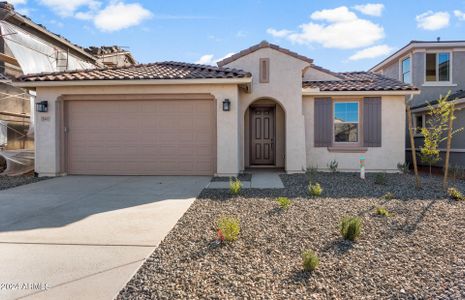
(140, 134)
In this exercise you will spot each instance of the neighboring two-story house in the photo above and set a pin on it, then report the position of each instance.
(436, 68)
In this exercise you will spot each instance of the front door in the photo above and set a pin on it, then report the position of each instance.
(262, 136)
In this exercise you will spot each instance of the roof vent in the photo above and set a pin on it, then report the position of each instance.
(438, 39)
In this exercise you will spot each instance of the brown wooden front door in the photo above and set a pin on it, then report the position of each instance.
(262, 136)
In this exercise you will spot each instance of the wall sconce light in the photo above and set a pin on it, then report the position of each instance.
(226, 105)
(42, 106)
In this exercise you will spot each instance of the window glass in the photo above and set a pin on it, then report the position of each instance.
(346, 119)
(406, 71)
(431, 67)
(418, 123)
(444, 66)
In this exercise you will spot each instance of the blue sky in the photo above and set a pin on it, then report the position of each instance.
(339, 35)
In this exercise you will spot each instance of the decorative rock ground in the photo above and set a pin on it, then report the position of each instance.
(417, 253)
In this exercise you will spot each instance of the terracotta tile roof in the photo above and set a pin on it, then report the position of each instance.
(360, 81)
(257, 47)
(161, 70)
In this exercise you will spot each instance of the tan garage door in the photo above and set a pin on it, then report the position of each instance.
(141, 137)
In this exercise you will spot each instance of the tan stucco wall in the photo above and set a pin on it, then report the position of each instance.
(48, 154)
(384, 158)
(284, 87)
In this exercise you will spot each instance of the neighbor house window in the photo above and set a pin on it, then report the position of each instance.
(418, 123)
(437, 66)
(406, 74)
(346, 122)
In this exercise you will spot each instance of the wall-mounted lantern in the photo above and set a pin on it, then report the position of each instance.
(226, 105)
(42, 106)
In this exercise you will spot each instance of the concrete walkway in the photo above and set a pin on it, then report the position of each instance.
(84, 237)
(261, 179)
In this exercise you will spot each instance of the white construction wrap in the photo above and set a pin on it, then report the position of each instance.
(35, 55)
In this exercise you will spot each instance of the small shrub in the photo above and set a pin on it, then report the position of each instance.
(315, 190)
(455, 194)
(350, 228)
(312, 171)
(229, 228)
(235, 186)
(381, 211)
(310, 260)
(380, 178)
(284, 203)
(404, 168)
(388, 196)
(332, 165)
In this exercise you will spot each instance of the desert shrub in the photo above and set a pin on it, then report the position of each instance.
(455, 194)
(315, 190)
(404, 168)
(388, 196)
(284, 202)
(332, 165)
(381, 211)
(380, 178)
(350, 228)
(235, 186)
(310, 260)
(311, 171)
(230, 228)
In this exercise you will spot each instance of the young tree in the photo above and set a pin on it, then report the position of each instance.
(437, 129)
(412, 144)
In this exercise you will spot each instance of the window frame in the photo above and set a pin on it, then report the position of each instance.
(359, 123)
(437, 82)
(401, 74)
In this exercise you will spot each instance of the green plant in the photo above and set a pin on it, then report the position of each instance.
(388, 196)
(404, 168)
(381, 211)
(235, 186)
(455, 194)
(350, 228)
(284, 202)
(437, 130)
(311, 171)
(380, 178)
(315, 190)
(310, 260)
(332, 165)
(229, 228)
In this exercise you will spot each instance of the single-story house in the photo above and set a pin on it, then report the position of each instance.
(262, 107)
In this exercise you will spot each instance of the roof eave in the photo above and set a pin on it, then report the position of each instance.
(413, 45)
(317, 92)
(34, 84)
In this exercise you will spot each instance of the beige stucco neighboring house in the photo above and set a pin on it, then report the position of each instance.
(262, 107)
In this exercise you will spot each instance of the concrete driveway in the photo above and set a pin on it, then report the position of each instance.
(83, 237)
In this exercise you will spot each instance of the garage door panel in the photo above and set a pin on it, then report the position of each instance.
(159, 137)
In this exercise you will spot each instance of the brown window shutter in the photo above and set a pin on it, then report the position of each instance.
(372, 122)
(323, 131)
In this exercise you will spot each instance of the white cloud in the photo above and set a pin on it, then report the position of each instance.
(118, 15)
(66, 8)
(84, 15)
(370, 9)
(341, 29)
(372, 52)
(209, 59)
(15, 2)
(433, 20)
(459, 14)
(278, 33)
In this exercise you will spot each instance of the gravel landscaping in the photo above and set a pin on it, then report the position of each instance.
(241, 177)
(7, 182)
(418, 252)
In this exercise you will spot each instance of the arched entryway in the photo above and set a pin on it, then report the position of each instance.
(264, 134)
